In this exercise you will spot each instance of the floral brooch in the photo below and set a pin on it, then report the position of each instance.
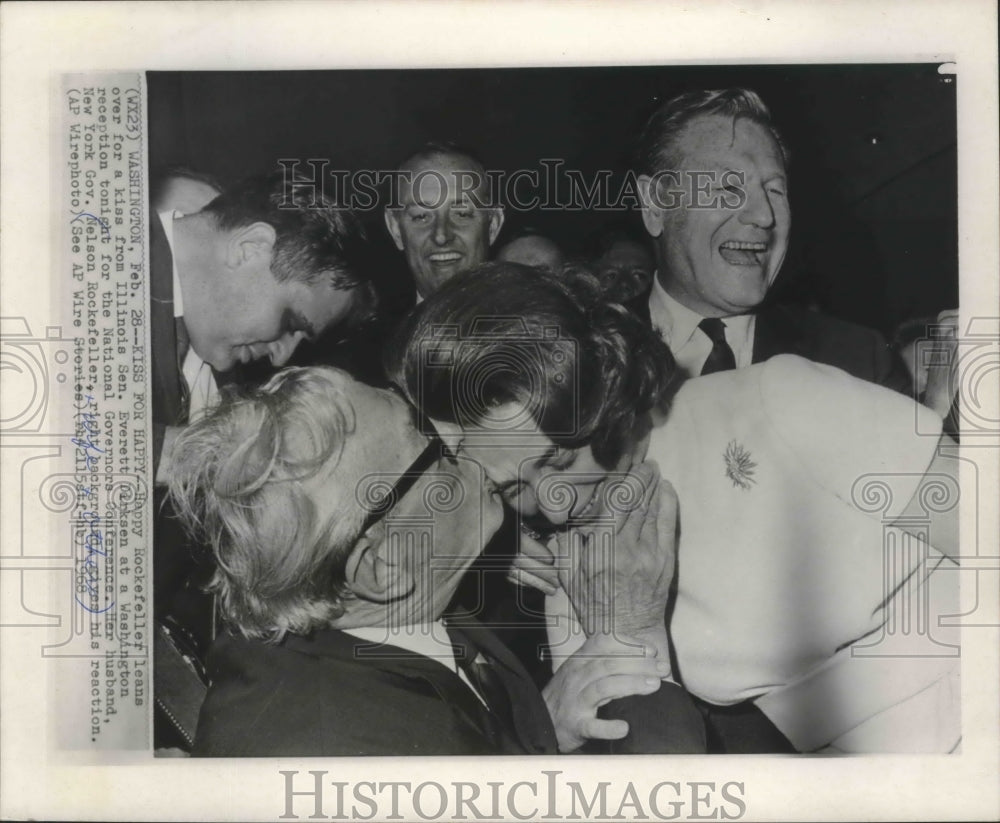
(739, 466)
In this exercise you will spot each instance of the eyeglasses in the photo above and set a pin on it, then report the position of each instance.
(431, 453)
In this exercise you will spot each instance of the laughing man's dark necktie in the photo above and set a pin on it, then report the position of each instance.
(721, 357)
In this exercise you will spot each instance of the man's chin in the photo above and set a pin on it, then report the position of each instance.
(441, 272)
(433, 278)
(747, 289)
(224, 364)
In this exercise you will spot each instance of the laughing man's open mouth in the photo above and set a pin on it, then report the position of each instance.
(444, 257)
(743, 252)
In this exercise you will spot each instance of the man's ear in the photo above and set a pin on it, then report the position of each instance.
(392, 224)
(249, 244)
(375, 573)
(652, 212)
(496, 222)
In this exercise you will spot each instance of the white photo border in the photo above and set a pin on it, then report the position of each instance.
(42, 41)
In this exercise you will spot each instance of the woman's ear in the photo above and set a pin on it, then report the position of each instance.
(375, 573)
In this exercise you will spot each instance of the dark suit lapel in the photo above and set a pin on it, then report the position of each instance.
(776, 333)
(532, 726)
(452, 691)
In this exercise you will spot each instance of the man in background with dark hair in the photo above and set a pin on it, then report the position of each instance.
(250, 276)
(623, 260)
(713, 179)
(442, 215)
(529, 248)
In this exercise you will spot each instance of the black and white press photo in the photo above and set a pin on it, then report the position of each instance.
(450, 411)
(629, 383)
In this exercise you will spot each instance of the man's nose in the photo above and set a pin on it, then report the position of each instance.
(442, 229)
(757, 210)
(282, 349)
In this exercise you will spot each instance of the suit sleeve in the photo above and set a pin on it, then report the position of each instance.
(159, 430)
(665, 722)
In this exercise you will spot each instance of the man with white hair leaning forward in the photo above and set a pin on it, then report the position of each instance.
(340, 531)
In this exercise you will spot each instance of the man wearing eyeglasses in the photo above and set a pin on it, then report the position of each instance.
(340, 532)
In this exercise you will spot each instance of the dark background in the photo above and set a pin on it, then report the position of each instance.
(873, 172)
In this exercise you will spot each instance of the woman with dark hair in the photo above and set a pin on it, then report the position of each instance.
(792, 480)
(502, 351)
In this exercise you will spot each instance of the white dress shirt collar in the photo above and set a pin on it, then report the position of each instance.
(167, 219)
(203, 392)
(675, 322)
(678, 326)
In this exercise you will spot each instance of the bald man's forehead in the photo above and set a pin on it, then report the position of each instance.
(437, 179)
(444, 162)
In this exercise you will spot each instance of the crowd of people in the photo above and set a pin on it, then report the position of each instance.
(542, 504)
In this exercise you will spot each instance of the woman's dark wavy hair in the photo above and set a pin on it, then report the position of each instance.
(588, 371)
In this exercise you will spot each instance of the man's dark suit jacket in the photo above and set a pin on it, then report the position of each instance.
(172, 553)
(177, 572)
(168, 399)
(855, 349)
(317, 695)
